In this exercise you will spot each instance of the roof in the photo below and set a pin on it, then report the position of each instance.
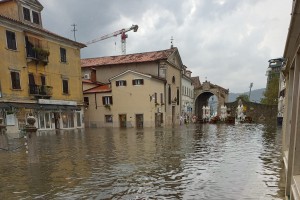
(140, 74)
(98, 89)
(45, 31)
(129, 58)
(196, 81)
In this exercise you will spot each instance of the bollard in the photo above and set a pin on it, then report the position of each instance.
(30, 130)
(3, 136)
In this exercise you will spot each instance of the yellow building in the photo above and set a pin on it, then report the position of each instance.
(40, 71)
(165, 66)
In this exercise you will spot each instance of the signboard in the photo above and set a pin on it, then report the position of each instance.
(57, 102)
(10, 120)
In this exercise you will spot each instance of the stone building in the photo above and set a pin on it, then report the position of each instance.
(291, 117)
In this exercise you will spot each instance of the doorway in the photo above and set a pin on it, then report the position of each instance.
(139, 120)
(122, 120)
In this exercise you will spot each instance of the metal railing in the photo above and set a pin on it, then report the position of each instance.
(40, 90)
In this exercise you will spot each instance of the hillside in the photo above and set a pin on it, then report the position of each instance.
(256, 95)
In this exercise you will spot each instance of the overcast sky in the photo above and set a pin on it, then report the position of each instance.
(227, 41)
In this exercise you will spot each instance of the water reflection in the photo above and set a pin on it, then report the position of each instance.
(186, 162)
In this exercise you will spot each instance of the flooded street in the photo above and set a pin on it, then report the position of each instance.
(188, 162)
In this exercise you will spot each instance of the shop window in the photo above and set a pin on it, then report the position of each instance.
(68, 119)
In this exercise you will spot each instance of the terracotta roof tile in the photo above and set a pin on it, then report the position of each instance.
(98, 89)
(130, 58)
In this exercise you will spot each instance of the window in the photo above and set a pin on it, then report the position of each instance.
(107, 100)
(65, 86)
(43, 79)
(86, 101)
(161, 98)
(177, 96)
(155, 97)
(68, 119)
(26, 13)
(121, 83)
(15, 80)
(173, 79)
(169, 95)
(35, 17)
(162, 72)
(11, 40)
(63, 55)
(138, 82)
(108, 119)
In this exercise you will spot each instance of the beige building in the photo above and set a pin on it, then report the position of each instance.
(291, 117)
(132, 99)
(162, 68)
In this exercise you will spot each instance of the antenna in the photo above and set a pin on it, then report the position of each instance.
(74, 30)
(172, 41)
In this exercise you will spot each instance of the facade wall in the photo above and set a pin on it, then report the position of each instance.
(291, 117)
(130, 101)
(58, 110)
(105, 72)
(9, 9)
(187, 93)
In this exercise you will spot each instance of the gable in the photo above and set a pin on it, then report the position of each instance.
(175, 60)
(34, 4)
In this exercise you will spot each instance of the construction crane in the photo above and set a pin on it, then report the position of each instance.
(116, 33)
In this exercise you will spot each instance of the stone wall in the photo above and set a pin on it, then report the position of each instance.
(260, 113)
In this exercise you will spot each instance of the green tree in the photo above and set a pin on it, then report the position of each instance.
(271, 93)
(244, 97)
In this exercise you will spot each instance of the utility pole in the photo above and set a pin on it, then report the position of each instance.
(74, 30)
(251, 85)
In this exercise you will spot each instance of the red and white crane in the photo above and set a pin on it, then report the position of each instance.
(116, 33)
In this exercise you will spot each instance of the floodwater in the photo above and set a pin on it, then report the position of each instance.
(216, 162)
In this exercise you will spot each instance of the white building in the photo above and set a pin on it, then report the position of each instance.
(187, 93)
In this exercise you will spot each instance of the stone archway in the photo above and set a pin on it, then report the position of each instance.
(204, 92)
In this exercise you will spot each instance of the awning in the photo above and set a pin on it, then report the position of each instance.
(24, 105)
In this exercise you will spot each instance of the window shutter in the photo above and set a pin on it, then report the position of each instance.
(142, 81)
(155, 96)
(117, 83)
(111, 100)
(161, 98)
(125, 83)
(169, 95)
(103, 100)
(133, 82)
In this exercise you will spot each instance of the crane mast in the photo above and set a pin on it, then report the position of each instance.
(121, 32)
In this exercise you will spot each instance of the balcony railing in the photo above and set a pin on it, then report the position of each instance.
(37, 54)
(40, 90)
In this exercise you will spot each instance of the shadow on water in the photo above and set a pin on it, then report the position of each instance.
(201, 161)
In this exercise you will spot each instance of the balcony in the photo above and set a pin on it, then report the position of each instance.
(40, 91)
(37, 54)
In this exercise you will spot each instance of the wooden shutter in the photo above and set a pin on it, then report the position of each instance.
(103, 100)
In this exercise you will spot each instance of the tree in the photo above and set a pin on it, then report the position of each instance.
(271, 93)
(244, 97)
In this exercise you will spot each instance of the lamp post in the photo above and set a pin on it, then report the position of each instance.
(251, 85)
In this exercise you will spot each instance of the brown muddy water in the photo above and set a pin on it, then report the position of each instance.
(207, 161)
